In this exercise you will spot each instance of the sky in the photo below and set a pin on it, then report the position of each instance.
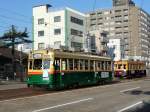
(19, 12)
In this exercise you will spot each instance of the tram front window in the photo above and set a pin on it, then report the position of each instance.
(46, 64)
(37, 64)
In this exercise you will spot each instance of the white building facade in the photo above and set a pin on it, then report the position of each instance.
(26, 47)
(54, 28)
(117, 49)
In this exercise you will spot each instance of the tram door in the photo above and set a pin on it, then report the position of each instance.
(57, 77)
(45, 68)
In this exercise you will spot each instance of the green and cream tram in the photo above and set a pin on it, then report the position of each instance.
(57, 69)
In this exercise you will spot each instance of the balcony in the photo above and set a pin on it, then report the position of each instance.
(104, 48)
(104, 39)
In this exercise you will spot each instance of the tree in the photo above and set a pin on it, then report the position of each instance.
(12, 38)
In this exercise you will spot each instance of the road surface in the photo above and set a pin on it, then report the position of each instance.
(108, 98)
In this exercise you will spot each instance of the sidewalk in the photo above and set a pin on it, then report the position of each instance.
(5, 85)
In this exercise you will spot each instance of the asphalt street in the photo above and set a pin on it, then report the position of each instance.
(108, 98)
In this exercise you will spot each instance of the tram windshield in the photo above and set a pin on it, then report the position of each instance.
(46, 64)
(37, 64)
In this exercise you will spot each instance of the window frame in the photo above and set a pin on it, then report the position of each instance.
(41, 33)
(57, 19)
(57, 31)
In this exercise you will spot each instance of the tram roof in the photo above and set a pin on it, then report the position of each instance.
(129, 61)
(79, 55)
(66, 54)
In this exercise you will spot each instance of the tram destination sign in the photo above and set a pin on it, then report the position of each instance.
(37, 55)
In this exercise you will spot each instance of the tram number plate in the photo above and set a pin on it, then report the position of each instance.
(104, 74)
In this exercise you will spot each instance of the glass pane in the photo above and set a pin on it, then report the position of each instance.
(46, 64)
(37, 64)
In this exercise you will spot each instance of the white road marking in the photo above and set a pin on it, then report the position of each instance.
(28, 97)
(61, 105)
(138, 103)
(129, 89)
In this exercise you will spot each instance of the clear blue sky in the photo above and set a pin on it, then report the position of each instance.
(19, 12)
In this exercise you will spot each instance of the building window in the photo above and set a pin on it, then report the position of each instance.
(76, 33)
(57, 18)
(99, 13)
(40, 45)
(40, 33)
(57, 31)
(76, 45)
(41, 21)
(76, 20)
(117, 10)
(57, 43)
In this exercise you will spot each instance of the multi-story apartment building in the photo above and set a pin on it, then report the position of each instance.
(99, 42)
(123, 2)
(60, 27)
(124, 21)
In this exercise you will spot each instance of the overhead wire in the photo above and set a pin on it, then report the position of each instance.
(19, 17)
(18, 20)
(14, 12)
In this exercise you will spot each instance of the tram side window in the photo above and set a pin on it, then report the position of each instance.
(119, 66)
(64, 64)
(81, 64)
(103, 65)
(57, 64)
(86, 64)
(142, 67)
(76, 64)
(130, 66)
(135, 66)
(96, 65)
(108, 65)
(91, 65)
(124, 66)
(30, 64)
(99, 65)
(70, 64)
(37, 64)
(139, 67)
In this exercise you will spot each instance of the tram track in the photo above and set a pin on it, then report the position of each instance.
(21, 92)
(29, 92)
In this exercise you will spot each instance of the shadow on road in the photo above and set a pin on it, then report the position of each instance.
(147, 93)
(144, 107)
(137, 92)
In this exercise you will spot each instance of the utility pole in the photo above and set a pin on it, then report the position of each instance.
(13, 54)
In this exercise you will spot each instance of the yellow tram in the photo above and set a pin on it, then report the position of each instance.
(129, 68)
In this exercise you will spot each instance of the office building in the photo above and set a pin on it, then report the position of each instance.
(53, 28)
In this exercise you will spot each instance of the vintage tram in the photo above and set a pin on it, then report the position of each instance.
(57, 69)
(129, 69)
